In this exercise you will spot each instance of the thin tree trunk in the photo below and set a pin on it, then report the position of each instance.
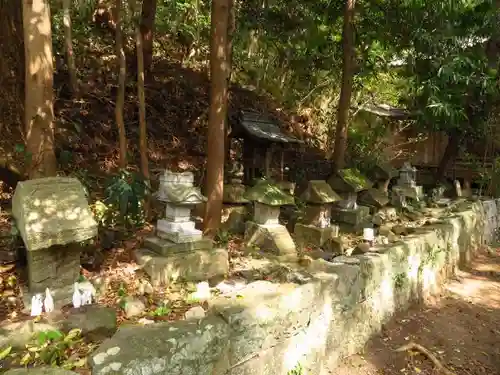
(147, 32)
(449, 155)
(143, 141)
(346, 88)
(230, 32)
(120, 97)
(68, 41)
(39, 97)
(217, 117)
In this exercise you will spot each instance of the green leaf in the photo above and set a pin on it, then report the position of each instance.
(5, 353)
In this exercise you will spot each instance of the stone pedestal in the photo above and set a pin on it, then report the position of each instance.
(178, 251)
(235, 208)
(354, 217)
(272, 239)
(313, 235)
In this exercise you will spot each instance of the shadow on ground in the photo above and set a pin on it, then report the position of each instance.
(461, 327)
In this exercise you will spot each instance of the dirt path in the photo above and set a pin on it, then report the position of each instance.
(461, 328)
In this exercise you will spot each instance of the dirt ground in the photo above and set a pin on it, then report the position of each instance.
(461, 328)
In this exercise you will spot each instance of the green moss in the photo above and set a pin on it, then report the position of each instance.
(353, 177)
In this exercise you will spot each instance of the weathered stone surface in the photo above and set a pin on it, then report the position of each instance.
(40, 371)
(275, 240)
(267, 193)
(133, 307)
(52, 211)
(20, 333)
(349, 181)
(198, 265)
(312, 235)
(55, 267)
(94, 320)
(385, 215)
(236, 217)
(265, 214)
(234, 193)
(319, 192)
(268, 328)
(353, 217)
(165, 247)
(189, 347)
(373, 197)
(319, 215)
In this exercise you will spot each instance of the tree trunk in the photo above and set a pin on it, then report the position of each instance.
(120, 96)
(217, 117)
(143, 140)
(147, 30)
(230, 32)
(39, 97)
(449, 155)
(346, 88)
(68, 41)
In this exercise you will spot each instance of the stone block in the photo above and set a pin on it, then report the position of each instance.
(52, 211)
(353, 217)
(55, 267)
(234, 218)
(373, 197)
(95, 321)
(166, 247)
(234, 193)
(318, 215)
(184, 347)
(178, 213)
(265, 214)
(264, 314)
(312, 235)
(272, 239)
(198, 265)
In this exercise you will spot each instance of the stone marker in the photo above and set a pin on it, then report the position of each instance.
(53, 217)
(349, 182)
(234, 211)
(178, 250)
(407, 183)
(264, 231)
(315, 227)
(373, 198)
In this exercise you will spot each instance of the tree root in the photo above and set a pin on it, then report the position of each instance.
(428, 354)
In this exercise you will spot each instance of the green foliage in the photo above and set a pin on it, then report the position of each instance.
(124, 200)
(162, 310)
(222, 238)
(297, 370)
(52, 348)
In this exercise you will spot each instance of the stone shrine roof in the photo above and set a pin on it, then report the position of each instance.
(349, 181)
(319, 192)
(259, 126)
(52, 211)
(181, 194)
(268, 193)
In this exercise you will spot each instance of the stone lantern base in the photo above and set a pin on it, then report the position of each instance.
(315, 236)
(271, 239)
(354, 217)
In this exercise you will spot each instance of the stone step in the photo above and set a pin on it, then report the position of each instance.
(165, 247)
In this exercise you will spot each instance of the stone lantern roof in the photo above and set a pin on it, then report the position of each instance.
(349, 181)
(319, 192)
(268, 193)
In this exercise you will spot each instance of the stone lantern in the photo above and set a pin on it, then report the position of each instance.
(315, 227)
(407, 184)
(264, 231)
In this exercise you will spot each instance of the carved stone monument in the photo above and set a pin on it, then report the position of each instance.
(53, 217)
(235, 207)
(265, 232)
(407, 183)
(315, 227)
(348, 183)
(179, 250)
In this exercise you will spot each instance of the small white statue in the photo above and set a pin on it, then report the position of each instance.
(86, 297)
(48, 303)
(77, 297)
(36, 305)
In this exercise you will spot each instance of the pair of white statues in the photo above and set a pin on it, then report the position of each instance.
(81, 297)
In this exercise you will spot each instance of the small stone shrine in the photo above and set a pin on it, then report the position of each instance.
(382, 174)
(407, 183)
(179, 250)
(53, 217)
(235, 209)
(265, 232)
(315, 227)
(348, 183)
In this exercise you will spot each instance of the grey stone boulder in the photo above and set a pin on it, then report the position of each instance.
(165, 348)
(94, 320)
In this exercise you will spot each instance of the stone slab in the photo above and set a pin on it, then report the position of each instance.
(184, 347)
(272, 239)
(52, 211)
(352, 217)
(166, 247)
(311, 235)
(198, 265)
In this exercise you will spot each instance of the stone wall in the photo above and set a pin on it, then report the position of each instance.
(267, 328)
